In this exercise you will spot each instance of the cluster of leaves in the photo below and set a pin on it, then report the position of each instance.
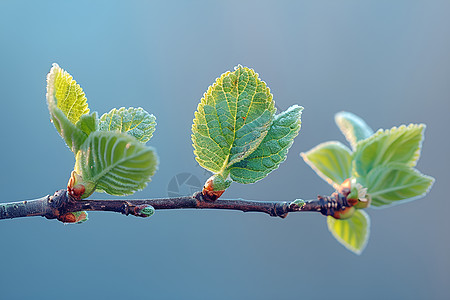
(379, 167)
(237, 135)
(110, 151)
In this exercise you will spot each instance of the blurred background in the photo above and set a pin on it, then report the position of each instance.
(387, 61)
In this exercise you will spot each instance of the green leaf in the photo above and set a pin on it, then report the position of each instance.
(396, 183)
(67, 106)
(352, 233)
(116, 163)
(72, 135)
(273, 149)
(88, 123)
(331, 160)
(353, 127)
(133, 121)
(64, 92)
(402, 145)
(232, 119)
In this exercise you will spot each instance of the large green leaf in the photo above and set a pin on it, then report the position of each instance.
(353, 232)
(399, 144)
(67, 104)
(116, 163)
(353, 127)
(273, 149)
(232, 119)
(396, 183)
(134, 121)
(331, 160)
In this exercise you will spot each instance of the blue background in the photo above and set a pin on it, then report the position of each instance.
(387, 61)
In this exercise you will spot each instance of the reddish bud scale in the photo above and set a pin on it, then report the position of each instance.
(209, 192)
(76, 191)
(67, 218)
(73, 217)
(345, 213)
(345, 189)
(352, 202)
(212, 195)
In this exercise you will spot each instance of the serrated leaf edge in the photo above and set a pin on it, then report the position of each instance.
(123, 109)
(398, 202)
(298, 123)
(50, 95)
(382, 132)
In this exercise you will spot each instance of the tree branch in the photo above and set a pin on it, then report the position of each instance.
(61, 203)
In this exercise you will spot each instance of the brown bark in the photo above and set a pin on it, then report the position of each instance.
(57, 205)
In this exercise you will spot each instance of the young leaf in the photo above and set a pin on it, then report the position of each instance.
(232, 119)
(353, 127)
(352, 233)
(73, 135)
(64, 93)
(400, 145)
(273, 149)
(134, 121)
(396, 183)
(116, 163)
(67, 104)
(331, 160)
(88, 123)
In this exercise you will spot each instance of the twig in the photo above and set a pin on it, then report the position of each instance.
(59, 204)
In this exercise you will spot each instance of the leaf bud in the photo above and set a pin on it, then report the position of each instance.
(215, 186)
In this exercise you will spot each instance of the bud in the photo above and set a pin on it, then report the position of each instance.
(345, 213)
(78, 188)
(144, 210)
(76, 217)
(215, 186)
(357, 195)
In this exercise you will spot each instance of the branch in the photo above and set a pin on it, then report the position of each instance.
(61, 203)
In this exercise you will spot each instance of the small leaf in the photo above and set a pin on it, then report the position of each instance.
(133, 121)
(88, 123)
(396, 183)
(116, 163)
(402, 145)
(352, 233)
(331, 160)
(72, 135)
(67, 105)
(353, 127)
(64, 92)
(232, 119)
(273, 149)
